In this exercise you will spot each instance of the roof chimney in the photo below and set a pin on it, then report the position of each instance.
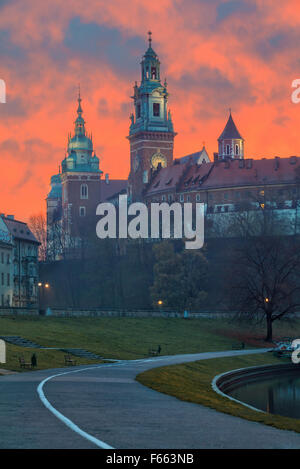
(249, 163)
(276, 163)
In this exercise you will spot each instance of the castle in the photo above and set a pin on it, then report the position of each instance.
(227, 184)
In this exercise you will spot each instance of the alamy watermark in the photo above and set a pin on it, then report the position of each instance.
(2, 351)
(2, 91)
(296, 351)
(158, 220)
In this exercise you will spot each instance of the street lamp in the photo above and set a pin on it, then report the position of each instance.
(42, 288)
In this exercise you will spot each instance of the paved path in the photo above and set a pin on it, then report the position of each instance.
(106, 402)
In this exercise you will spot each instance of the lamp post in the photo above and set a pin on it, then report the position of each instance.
(42, 288)
(159, 304)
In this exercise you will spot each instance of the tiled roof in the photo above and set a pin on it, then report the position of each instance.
(20, 230)
(230, 130)
(167, 178)
(249, 172)
(112, 188)
(225, 174)
(193, 157)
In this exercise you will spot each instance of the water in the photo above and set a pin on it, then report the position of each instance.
(277, 395)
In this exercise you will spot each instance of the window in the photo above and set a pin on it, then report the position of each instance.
(82, 211)
(153, 73)
(84, 191)
(187, 198)
(156, 109)
(8, 280)
(236, 149)
(227, 149)
(163, 198)
(181, 198)
(138, 111)
(198, 197)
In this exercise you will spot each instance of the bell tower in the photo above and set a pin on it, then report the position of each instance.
(231, 143)
(151, 133)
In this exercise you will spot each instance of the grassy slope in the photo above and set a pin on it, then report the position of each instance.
(192, 382)
(45, 358)
(130, 338)
(124, 338)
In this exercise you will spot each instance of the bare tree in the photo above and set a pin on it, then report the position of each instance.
(38, 225)
(265, 278)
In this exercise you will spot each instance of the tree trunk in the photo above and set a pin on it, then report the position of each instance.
(269, 336)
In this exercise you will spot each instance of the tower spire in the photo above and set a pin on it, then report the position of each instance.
(150, 38)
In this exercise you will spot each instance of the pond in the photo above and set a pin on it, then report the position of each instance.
(277, 395)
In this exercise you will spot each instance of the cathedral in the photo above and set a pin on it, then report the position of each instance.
(226, 183)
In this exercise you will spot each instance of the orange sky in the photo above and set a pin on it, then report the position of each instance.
(215, 54)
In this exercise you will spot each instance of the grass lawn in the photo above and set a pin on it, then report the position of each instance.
(45, 358)
(192, 382)
(121, 338)
(131, 338)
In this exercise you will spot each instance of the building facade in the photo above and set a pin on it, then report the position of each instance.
(228, 184)
(23, 266)
(6, 266)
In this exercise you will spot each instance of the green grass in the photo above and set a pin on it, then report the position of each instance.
(192, 382)
(131, 338)
(46, 359)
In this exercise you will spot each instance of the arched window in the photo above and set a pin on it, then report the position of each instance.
(236, 149)
(153, 73)
(227, 149)
(84, 193)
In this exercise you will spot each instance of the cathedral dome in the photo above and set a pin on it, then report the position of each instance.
(80, 142)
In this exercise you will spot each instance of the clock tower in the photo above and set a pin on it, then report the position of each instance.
(151, 132)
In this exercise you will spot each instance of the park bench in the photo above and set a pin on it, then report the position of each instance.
(282, 353)
(153, 352)
(238, 346)
(23, 363)
(69, 360)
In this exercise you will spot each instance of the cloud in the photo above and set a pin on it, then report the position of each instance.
(216, 91)
(227, 9)
(94, 41)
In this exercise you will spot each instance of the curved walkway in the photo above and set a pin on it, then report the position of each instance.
(105, 402)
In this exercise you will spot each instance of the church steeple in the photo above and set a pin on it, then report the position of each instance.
(151, 132)
(231, 143)
(79, 122)
(151, 97)
(80, 155)
(150, 63)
